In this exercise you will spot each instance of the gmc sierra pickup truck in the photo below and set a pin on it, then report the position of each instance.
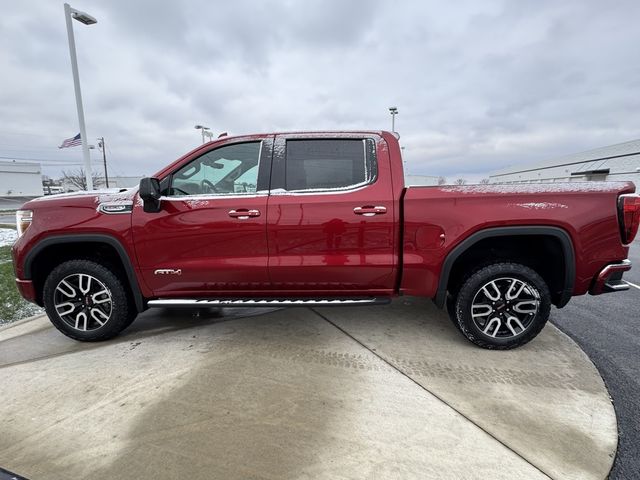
(316, 219)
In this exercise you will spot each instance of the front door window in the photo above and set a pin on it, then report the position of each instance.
(227, 170)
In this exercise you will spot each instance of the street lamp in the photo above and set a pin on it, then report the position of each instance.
(202, 128)
(87, 19)
(393, 111)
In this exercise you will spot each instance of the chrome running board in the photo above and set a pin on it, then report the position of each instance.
(265, 302)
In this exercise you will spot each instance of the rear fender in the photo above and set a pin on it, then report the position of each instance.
(558, 233)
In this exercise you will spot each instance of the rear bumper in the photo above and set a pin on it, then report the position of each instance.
(610, 278)
(27, 290)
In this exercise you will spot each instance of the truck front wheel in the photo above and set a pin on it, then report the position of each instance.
(86, 301)
(502, 306)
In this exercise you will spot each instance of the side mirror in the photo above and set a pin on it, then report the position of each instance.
(150, 194)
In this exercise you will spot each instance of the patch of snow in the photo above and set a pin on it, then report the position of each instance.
(117, 197)
(539, 205)
(78, 193)
(100, 196)
(8, 236)
(568, 187)
(197, 203)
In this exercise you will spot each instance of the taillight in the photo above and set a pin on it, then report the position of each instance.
(629, 213)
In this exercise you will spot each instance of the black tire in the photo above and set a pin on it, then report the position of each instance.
(451, 309)
(112, 306)
(498, 329)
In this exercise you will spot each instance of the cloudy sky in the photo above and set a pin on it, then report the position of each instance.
(479, 85)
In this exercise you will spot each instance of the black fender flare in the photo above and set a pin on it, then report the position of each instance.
(556, 232)
(88, 238)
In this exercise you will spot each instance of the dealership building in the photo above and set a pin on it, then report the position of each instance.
(613, 163)
(20, 179)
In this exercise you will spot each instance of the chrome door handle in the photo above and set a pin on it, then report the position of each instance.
(243, 213)
(369, 210)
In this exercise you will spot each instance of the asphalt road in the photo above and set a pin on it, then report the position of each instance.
(607, 327)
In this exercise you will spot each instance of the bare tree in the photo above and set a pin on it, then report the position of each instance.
(78, 179)
(442, 181)
(460, 181)
(484, 181)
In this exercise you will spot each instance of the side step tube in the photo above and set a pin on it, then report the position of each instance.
(266, 302)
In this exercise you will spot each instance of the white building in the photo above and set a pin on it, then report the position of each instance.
(124, 182)
(114, 182)
(20, 179)
(420, 180)
(616, 162)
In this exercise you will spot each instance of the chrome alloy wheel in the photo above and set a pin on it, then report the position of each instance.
(505, 307)
(83, 302)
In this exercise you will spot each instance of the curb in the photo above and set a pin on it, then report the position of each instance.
(22, 322)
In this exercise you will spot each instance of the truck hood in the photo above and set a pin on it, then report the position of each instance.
(93, 198)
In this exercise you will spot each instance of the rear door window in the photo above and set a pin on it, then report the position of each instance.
(329, 164)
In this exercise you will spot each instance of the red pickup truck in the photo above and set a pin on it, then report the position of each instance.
(316, 219)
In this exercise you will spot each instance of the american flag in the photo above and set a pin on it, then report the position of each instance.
(71, 142)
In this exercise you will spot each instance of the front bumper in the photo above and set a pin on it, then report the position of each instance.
(27, 290)
(610, 278)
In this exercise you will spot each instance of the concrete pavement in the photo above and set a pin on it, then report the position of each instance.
(607, 327)
(382, 392)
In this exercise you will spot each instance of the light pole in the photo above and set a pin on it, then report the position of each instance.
(202, 128)
(104, 159)
(87, 19)
(393, 111)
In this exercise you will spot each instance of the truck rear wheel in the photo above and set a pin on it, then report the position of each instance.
(502, 306)
(86, 301)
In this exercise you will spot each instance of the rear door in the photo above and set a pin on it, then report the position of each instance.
(330, 218)
(210, 236)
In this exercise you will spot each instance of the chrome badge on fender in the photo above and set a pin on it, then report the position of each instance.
(168, 271)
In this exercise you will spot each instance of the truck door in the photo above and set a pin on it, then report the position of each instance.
(331, 222)
(210, 236)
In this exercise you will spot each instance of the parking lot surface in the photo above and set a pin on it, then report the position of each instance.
(607, 327)
(385, 392)
(13, 203)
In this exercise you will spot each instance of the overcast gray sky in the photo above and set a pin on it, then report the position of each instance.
(479, 85)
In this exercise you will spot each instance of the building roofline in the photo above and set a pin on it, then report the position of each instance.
(596, 154)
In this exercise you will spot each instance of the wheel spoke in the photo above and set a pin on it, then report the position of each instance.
(496, 291)
(81, 316)
(526, 306)
(99, 316)
(68, 290)
(514, 284)
(97, 301)
(486, 310)
(494, 321)
(70, 306)
(87, 282)
(512, 319)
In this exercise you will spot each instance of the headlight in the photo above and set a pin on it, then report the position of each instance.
(23, 220)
